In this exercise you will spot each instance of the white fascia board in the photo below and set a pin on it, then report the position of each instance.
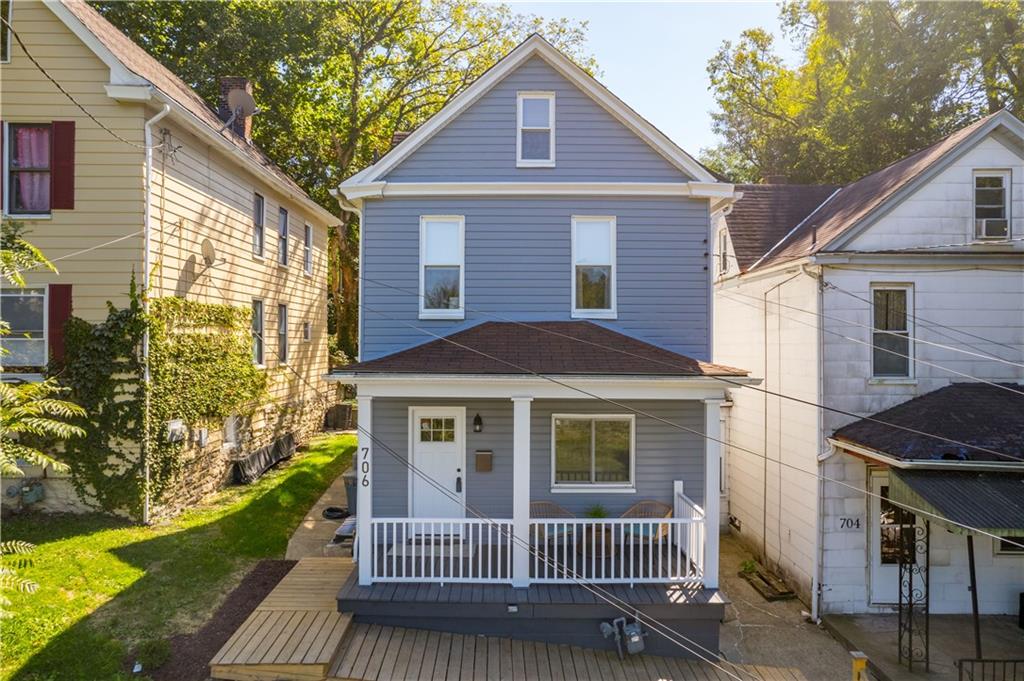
(926, 259)
(535, 45)
(479, 387)
(119, 73)
(903, 464)
(698, 190)
(129, 93)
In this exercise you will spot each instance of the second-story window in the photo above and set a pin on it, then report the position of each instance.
(282, 237)
(259, 213)
(5, 33)
(442, 275)
(282, 334)
(28, 169)
(890, 340)
(992, 204)
(535, 129)
(307, 250)
(593, 267)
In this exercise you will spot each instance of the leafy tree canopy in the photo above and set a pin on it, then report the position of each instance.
(876, 81)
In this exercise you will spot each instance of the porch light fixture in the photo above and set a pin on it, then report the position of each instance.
(478, 424)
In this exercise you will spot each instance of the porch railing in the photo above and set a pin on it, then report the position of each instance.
(991, 670)
(441, 550)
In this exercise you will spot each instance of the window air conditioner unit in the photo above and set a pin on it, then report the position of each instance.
(992, 228)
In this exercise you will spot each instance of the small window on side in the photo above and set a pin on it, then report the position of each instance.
(1010, 546)
(307, 250)
(992, 205)
(24, 310)
(259, 212)
(6, 7)
(257, 332)
(442, 267)
(282, 237)
(892, 351)
(593, 267)
(535, 129)
(282, 334)
(307, 332)
(723, 252)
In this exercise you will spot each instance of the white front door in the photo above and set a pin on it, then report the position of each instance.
(885, 542)
(437, 487)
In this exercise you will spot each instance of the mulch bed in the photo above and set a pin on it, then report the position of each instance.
(191, 653)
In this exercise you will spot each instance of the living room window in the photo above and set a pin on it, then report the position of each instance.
(535, 129)
(891, 347)
(589, 451)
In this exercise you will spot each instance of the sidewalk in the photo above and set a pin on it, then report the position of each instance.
(314, 533)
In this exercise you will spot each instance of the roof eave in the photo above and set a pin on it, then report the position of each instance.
(921, 464)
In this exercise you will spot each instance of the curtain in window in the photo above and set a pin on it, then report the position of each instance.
(31, 151)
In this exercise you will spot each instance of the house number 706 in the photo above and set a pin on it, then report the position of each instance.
(364, 467)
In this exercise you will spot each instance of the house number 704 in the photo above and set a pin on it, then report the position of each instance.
(364, 467)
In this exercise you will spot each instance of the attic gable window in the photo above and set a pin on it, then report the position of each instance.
(992, 204)
(535, 129)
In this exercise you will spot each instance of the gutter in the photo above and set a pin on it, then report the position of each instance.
(147, 229)
(924, 464)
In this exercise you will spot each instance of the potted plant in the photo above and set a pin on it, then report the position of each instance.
(597, 538)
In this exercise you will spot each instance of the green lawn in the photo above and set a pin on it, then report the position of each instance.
(106, 586)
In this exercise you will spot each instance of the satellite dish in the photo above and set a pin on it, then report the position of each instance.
(209, 252)
(241, 103)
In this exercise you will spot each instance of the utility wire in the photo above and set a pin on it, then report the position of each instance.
(678, 426)
(88, 250)
(67, 94)
(891, 352)
(896, 334)
(712, 376)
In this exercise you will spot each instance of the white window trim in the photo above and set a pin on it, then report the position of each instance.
(1007, 176)
(620, 488)
(14, 290)
(6, 171)
(307, 332)
(262, 333)
(307, 250)
(612, 312)
(460, 312)
(535, 163)
(286, 251)
(261, 255)
(875, 379)
(287, 346)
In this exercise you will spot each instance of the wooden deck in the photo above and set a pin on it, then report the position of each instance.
(380, 653)
(296, 632)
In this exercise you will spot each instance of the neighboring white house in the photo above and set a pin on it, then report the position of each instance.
(861, 298)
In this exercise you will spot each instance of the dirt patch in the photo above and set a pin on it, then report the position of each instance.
(191, 653)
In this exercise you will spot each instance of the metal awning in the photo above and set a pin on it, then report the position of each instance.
(991, 501)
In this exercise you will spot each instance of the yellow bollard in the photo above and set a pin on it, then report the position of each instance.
(860, 665)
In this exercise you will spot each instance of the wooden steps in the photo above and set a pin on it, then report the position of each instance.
(380, 653)
(295, 633)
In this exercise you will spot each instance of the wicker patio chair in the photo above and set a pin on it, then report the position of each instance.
(549, 510)
(648, 510)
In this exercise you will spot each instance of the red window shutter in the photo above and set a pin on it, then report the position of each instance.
(59, 311)
(62, 165)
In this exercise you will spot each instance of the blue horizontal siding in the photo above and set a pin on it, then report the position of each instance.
(518, 266)
(479, 145)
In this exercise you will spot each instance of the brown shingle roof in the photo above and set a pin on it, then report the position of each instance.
(857, 200)
(976, 414)
(558, 348)
(767, 212)
(139, 62)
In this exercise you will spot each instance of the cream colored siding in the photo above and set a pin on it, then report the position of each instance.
(108, 172)
(197, 196)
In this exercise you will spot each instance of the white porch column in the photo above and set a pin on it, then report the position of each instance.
(364, 489)
(521, 491)
(712, 488)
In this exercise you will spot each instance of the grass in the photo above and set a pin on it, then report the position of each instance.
(107, 586)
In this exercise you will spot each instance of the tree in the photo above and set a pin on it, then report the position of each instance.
(29, 411)
(335, 80)
(876, 81)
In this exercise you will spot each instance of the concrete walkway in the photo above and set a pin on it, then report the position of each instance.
(756, 631)
(313, 535)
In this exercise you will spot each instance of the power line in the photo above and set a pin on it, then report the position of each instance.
(712, 376)
(896, 334)
(678, 426)
(66, 93)
(88, 250)
(891, 352)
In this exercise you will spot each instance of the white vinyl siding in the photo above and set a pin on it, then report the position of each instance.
(593, 267)
(442, 266)
(535, 129)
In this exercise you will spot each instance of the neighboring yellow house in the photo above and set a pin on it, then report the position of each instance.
(222, 223)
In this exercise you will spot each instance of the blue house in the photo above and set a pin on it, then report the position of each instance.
(539, 425)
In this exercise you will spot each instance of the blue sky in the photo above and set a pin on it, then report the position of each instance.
(653, 54)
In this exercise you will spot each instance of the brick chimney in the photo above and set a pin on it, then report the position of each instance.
(241, 126)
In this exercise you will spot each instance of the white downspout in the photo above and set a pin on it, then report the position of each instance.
(145, 302)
